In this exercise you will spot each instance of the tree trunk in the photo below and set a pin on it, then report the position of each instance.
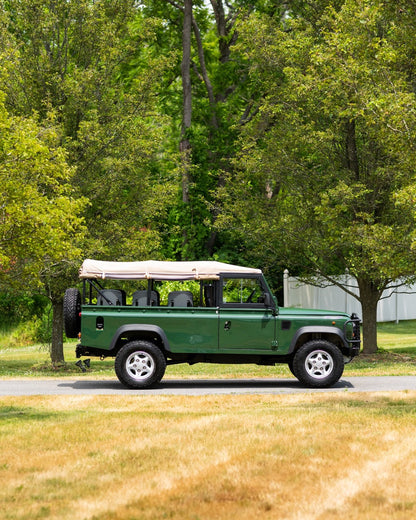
(57, 346)
(186, 66)
(369, 297)
(220, 19)
(185, 145)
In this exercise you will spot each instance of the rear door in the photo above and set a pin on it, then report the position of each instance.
(246, 324)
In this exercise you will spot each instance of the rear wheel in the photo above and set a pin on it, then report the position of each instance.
(140, 364)
(318, 364)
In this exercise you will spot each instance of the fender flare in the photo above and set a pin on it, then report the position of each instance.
(138, 328)
(316, 329)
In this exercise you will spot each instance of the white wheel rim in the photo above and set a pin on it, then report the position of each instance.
(140, 365)
(319, 364)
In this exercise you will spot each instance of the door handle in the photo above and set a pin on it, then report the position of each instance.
(227, 325)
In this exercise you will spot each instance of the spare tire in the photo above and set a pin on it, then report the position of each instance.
(72, 312)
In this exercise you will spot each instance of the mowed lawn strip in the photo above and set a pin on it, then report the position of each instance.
(212, 457)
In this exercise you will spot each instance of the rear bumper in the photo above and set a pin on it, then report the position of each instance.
(80, 350)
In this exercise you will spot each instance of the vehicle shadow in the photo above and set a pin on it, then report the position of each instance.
(184, 386)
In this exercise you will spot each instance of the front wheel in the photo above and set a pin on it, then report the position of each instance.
(318, 364)
(140, 364)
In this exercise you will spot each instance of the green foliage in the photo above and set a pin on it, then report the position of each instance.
(89, 64)
(327, 176)
(221, 99)
(302, 136)
(333, 145)
(24, 319)
(39, 214)
(85, 70)
(16, 308)
(168, 286)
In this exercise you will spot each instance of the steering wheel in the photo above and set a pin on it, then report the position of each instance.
(249, 299)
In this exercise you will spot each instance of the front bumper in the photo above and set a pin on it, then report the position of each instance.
(354, 341)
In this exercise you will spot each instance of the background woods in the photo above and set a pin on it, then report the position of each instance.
(270, 133)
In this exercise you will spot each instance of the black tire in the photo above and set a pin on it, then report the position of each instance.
(72, 310)
(318, 364)
(140, 364)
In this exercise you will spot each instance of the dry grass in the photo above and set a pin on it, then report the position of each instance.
(213, 457)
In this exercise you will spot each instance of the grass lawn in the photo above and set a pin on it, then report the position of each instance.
(298, 457)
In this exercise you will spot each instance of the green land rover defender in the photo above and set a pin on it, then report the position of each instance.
(152, 314)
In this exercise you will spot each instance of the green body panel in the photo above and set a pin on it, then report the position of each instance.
(201, 330)
(250, 331)
(188, 330)
(291, 320)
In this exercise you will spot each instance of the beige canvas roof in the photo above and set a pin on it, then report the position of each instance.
(158, 270)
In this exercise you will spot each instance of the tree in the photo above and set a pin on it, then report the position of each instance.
(40, 219)
(87, 63)
(327, 179)
(211, 76)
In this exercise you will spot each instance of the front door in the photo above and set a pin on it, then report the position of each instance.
(245, 323)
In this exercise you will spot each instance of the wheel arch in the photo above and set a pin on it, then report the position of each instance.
(131, 332)
(304, 334)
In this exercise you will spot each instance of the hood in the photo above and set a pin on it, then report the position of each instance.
(296, 312)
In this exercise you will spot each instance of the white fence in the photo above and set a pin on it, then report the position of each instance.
(395, 306)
